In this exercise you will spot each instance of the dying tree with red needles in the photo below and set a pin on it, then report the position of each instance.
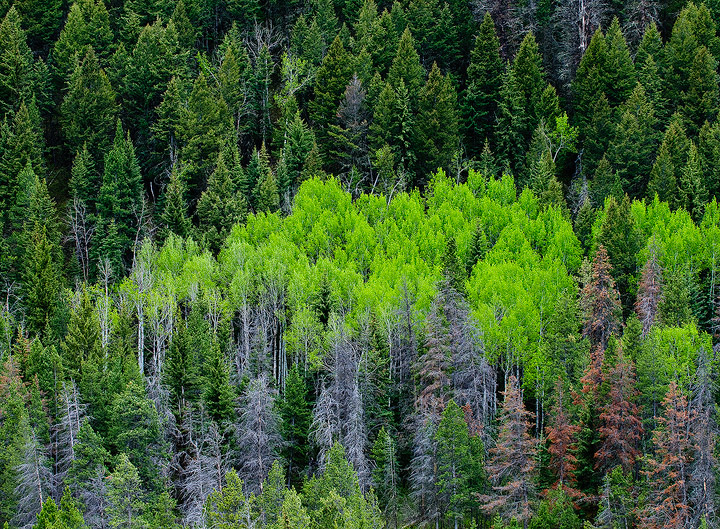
(650, 292)
(667, 505)
(601, 302)
(620, 424)
(562, 436)
(511, 466)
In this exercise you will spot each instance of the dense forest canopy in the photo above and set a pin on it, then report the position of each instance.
(359, 263)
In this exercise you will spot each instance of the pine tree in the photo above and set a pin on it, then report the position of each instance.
(708, 146)
(663, 177)
(561, 434)
(437, 123)
(700, 101)
(386, 474)
(268, 198)
(605, 183)
(589, 83)
(84, 180)
(511, 464)
(330, 81)
(203, 130)
(174, 215)
(454, 462)
(82, 341)
(620, 425)
(126, 500)
(597, 134)
(619, 236)
(634, 143)
(693, 194)
(650, 292)
(88, 112)
(477, 249)
(87, 475)
(42, 279)
(295, 413)
(218, 394)
(481, 98)
(298, 144)
(19, 74)
(619, 68)
(667, 470)
(121, 192)
(406, 68)
(221, 206)
(135, 431)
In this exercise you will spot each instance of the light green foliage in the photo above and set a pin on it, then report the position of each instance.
(126, 500)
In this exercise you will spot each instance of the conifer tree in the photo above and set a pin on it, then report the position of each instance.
(619, 68)
(692, 192)
(174, 215)
(19, 75)
(331, 79)
(121, 192)
(295, 413)
(87, 26)
(220, 206)
(701, 100)
(477, 249)
(218, 394)
(511, 463)
(88, 112)
(708, 146)
(87, 475)
(406, 68)
(126, 500)
(667, 469)
(605, 183)
(268, 198)
(597, 134)
(386, 474)
(650, 292)
(42, 279)
(84, 180)
(297, 147)
(600, 302)
(437, 123)
(634, 142)
(620, 425)
(82, 341)
(483, 92)
(589, 83)
(561, 434)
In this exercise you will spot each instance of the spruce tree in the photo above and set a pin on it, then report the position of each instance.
(330, 81)
(700, 101)
(634, 143)
(708, 146)
(605, 184)
(19, 75)
(174, 215)
(598, 132)
(437, 138)
(294, 411)
(218, 394)
(693, 194)
(121, 192)
(619, 68)
(88, 112)
(589, 83)
(126, 499)
(483, 92)
(84, 180)
(406, 67)
(220, 206)
(42, 279)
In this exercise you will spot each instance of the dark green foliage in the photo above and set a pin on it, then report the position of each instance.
(218, 396)
(483, 92)
(294, 410)
(175, 214)
(691, 190)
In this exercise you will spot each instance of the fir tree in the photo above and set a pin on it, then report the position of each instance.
(650, 292)
(126, 500)
(174, 215)
(19, 75)
(295, 412)
(619, 68)
(561, 434)
(605, 183)
(218, 394)
(693, 194)
(88, 112)
(511, 463)
(406, 68)
(84, 180)
(42, 279)
(700, 101)
(483, 92)
(600, 302)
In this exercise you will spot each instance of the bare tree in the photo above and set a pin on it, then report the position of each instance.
(34, 480)
(81, 233)
(575, 22)
(257, 434)
(423, 470)
(650, 296)
(65, 432)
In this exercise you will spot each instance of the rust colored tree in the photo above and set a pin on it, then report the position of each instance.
(511, 466)
(601, 303)
(667, 505)
(562, 436)
(620, 424)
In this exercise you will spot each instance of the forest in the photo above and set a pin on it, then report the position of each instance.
(355, 264)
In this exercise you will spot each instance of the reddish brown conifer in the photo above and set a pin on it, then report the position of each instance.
(512, 461)
(620, 424)
(649, 295)
(600, 302)
(561, 434)
(667, 504)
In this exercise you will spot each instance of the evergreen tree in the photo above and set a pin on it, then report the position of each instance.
(589, 83)
(511, 463)
(483, 92)
(600, 302)
(87, 27)
(708, 146)
(477, 249)
(174, 215)
(437, 123)
(330, 81)
(126, 500)
(700, 101)
(298, 143)
(634, 143)
(406, 69)
(386, 474)
(218, 394)
(82, 341)
(220, 206)
(42, 279)
(619, 236)
(84, 180)
(619, 68)
(454, 462)
(561, 434)
(295, 412)
(88, 112)
(693, 194)
(605, 183)
(121, 192)
(597, 134)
